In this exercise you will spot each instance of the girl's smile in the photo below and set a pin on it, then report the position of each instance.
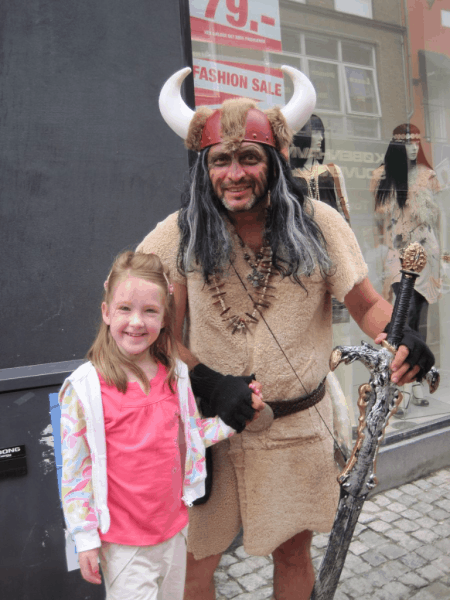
(135, 316)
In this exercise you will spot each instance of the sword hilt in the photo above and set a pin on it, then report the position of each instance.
(413, 259)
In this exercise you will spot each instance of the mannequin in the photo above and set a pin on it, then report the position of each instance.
(405, 188)
(322, 182)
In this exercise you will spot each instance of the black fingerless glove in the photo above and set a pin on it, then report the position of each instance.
(419, 353)
(227, 396)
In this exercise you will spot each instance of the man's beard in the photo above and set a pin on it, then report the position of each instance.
(251, 203)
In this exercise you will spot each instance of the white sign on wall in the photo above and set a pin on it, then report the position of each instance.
(216, 81)
(253, 24)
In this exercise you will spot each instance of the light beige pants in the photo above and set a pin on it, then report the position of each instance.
(145, 572)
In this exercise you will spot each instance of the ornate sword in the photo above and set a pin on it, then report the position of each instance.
(377, 401)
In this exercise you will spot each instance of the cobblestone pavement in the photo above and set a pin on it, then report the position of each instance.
(400, 550)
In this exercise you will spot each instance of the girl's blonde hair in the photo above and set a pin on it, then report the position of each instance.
(104, 353)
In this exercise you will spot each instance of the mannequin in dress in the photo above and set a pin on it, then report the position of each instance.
(405, 188)
(322, 182)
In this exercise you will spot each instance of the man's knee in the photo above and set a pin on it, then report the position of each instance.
(296, 549)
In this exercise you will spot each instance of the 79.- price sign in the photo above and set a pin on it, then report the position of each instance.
(253, 24)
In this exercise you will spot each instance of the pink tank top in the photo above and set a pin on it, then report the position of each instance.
(143, 463)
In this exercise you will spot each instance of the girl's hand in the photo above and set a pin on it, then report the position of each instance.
(257, 402)
(89, 567)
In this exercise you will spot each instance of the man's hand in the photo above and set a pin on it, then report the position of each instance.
(412, 360)
(89, 567)
(227, 396)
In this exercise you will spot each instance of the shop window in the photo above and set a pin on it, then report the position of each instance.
(362, 8)
(445, 18)
(344, 75)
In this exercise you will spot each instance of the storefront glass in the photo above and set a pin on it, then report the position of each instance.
(375, 65)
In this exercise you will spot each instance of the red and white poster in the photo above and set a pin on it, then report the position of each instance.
(251, 24)
(216, 81)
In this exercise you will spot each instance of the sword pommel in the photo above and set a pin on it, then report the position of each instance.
(413, 258)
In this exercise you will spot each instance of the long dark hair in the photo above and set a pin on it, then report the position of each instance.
(395, 179)
(297, 243)
(301, 143)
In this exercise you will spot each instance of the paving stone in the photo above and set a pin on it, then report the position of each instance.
(413, 560)
(423, 484)
(377, 578)
(411, 489)
(339, 595)
(241, 553)
(371, 539)
(366, 518)
(359, 528)
(439, 514)
(239, 569)
(396, 591)
(381, 500)
(261, 594)
(357, 585)
(442, 563)
(388, 516)
(346, 573)
(413, 580)
(229, 589)
(379, 526)
(444, 545)
(395, 493)
(406, 525)
(358, 547)
(426, 522)
(252, 582)
(412, 514)
(393, 569)
(444, 503)
(429, 552)
(256, 562)
(320, 541)
(430, 572)
(391, 551)
(266, 572)
(425, 507)
(425, 535)
(407, 499)
(439, 591)
(227, 560)
(370, 507)
(220, 577)
(374, 558)
(423, 594)
(398, 507)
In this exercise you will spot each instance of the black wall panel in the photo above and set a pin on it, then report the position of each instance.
(87, 165)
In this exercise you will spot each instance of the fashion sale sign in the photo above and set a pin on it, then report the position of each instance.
(253, 24)
(216, 81)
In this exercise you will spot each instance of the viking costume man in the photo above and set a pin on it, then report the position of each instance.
(255, 265)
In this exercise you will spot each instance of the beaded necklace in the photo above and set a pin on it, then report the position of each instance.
(262, 271)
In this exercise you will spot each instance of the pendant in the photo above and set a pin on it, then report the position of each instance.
(255, 277)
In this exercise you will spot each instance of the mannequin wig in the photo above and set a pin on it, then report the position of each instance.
(301, 144)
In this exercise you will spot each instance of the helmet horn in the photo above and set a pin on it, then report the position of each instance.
(174, 110)
(300, 107)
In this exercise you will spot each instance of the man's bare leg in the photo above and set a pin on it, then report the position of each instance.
(293, 575)
(200, 577)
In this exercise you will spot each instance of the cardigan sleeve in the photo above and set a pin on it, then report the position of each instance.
(76, 483)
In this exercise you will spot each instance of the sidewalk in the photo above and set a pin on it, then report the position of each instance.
(400, 550)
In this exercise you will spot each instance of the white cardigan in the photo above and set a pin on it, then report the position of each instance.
(86, 506)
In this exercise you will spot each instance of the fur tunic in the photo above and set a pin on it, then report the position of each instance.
(418, 221)
(283, 479)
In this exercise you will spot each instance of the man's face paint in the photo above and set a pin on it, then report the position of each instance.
(239, 179)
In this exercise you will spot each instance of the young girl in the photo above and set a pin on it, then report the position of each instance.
(122, 483)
